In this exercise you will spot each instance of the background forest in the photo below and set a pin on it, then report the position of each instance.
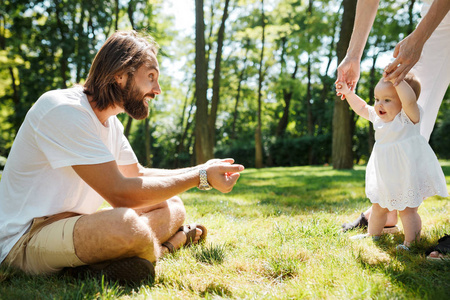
(252, 79)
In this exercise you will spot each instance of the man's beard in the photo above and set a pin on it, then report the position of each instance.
(133, 102)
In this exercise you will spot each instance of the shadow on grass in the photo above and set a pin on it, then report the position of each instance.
(16, 284)
(290, 191)
(410, 271)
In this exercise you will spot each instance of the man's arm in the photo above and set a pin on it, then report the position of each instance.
(135, 170)
(408, 51)
(349, 68)
(143, 191)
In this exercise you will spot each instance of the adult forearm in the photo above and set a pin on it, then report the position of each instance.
(150, 172)
(366, 10)
(438, 10)
(145, 191)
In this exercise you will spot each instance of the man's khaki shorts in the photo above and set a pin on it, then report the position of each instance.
(47, 247)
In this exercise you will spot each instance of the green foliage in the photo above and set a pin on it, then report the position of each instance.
(243, 153)
(440, 139)
(2, 162)
(301, 151)
(48, 45)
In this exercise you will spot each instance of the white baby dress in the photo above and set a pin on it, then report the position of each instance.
(402, 170)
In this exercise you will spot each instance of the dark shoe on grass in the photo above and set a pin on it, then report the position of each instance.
(442, 250)
(361, 222)
(130, 270)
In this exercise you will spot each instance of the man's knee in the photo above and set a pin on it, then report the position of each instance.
(176, 203)
(131, 229)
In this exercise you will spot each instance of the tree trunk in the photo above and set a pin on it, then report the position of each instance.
(203, 146)
(216, 79)
(373, 83)
(185, 129)
(310, 121)
(116, 21)
(210, 34)
(258, 132)
(130, 12)
(287, 93)
(411, 24)
(342, 155)
(62, 30)
(238, 93)
(148, 143)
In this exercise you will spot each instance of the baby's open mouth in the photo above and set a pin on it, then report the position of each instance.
(381, 112)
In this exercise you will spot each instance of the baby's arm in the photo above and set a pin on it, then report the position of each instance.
(358, 105)
(409, 101)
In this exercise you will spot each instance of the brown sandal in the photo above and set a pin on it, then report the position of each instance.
(190, 232)
(169, 246)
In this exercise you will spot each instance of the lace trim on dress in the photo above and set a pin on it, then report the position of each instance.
(413, 196)
(404, 118)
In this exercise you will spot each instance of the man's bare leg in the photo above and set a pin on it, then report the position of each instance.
(164, 220)
(123, 232)
(112, 234)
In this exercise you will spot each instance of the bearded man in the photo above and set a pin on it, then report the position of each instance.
(70, 155)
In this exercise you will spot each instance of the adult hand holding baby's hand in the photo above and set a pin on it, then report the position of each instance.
(341, 89)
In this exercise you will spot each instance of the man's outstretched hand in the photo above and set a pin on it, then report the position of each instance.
(223, 174)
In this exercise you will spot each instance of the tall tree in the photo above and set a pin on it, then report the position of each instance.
(203, 143)
(258, 131)
(342, 156)
(217, 75)
(238, 92)
(287, 90)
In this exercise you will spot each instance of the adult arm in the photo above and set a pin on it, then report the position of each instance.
(349, 68)
(408, 51)
(358, 105)
(143, 191)
(135, 170)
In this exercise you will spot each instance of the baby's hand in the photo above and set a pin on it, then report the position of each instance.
(342, 89)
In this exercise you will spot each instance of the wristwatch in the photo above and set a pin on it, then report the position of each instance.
(204, 184)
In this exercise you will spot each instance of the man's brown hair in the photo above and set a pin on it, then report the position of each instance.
(123, 52)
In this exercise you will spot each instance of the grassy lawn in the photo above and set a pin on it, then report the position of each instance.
(278, 235)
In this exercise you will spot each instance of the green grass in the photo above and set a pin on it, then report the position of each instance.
(277, 236)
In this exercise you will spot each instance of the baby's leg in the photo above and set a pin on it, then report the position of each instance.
(412, 224)
(377, 220)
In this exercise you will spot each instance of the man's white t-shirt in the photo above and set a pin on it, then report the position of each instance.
(59, 131)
